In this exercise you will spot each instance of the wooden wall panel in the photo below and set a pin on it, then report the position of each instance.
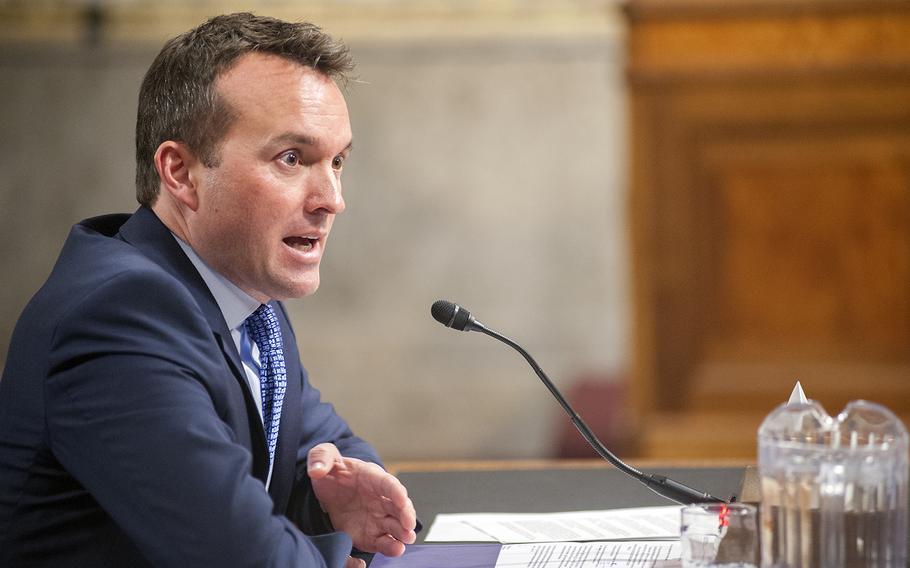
(812, 248)
(770, 211)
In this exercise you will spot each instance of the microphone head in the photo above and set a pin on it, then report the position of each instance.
(451, 315)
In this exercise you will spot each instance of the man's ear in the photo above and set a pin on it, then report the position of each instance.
(175, 164)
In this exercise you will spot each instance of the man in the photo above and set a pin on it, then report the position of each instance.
(153, 409)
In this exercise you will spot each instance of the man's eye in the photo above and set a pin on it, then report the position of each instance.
(290, 158)
(337, 163)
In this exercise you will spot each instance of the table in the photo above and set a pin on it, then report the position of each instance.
(548, 486)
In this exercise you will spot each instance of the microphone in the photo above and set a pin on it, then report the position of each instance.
(452, 315)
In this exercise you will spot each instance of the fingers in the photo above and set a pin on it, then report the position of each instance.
(394, 502)
(400, 506)
(392, 488)
(393, 527)
(387, 545)
(405, 516)
(352, 562)
(391, 496)
(322, 459)
(363, 500)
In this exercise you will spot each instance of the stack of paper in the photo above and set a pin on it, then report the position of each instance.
(640, 523)
(643, 537)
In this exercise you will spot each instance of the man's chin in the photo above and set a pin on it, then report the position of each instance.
(296, 290)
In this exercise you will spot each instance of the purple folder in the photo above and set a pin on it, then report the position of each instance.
(442, 556)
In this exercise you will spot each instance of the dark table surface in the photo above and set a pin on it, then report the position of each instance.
(551, 489)
(547, 490)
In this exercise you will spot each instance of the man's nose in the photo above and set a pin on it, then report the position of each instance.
(325, 194)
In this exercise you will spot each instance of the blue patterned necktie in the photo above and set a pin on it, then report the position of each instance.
(264, 329)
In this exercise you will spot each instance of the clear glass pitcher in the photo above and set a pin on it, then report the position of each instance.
(834, 490)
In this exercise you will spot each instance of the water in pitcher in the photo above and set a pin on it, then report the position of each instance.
(834, 491)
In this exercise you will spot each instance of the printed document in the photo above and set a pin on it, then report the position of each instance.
(631, 554)
(639, 523)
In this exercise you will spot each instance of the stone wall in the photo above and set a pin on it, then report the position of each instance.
(488, 168)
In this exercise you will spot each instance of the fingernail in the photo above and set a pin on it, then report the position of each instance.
(317, 465)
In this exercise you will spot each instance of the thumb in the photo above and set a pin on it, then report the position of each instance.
(321, 459)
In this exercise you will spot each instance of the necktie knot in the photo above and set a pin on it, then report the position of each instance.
(264, 329)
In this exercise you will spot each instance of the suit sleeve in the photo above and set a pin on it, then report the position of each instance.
(133, 381)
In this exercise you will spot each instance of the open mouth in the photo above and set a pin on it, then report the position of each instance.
(303, 244)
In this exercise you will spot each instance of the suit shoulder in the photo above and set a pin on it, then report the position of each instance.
(113, 268)
(96, 273)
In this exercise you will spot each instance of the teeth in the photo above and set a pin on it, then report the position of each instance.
(300, 243)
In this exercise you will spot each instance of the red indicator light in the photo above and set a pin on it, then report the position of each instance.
(723, 516)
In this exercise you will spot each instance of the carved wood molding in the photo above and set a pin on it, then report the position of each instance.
(717, 41)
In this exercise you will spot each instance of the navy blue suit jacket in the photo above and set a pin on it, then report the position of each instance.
(128, 435)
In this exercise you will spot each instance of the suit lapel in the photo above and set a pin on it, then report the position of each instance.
(147, 233)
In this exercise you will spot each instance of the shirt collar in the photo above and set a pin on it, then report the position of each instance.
(235, 304)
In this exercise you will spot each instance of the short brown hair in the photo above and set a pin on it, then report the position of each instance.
(178, 101)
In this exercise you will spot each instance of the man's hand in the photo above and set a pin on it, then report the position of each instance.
(363, 500)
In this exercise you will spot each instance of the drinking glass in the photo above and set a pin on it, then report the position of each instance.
(719, 534)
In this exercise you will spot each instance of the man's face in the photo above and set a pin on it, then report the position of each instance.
(265, 211)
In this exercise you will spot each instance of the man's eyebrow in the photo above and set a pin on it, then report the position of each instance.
(304, 140)
(290, 137)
